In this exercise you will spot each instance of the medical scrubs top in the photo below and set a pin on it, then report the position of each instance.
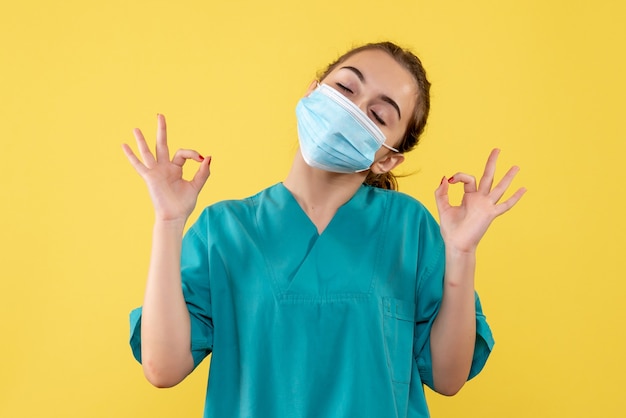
(302, 324)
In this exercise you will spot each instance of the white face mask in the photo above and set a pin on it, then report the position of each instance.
(335, 135)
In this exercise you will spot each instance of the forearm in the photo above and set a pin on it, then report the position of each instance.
(165, 325)
(453, 333)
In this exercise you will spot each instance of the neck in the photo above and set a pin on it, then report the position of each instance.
(320, 193)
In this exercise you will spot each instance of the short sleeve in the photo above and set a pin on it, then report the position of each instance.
(484, 341)
(429, 294)
(196, 290)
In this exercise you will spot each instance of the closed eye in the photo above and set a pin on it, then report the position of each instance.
(344, 88)
(378, 118)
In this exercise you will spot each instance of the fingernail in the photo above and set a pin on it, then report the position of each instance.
(451, 179)
(201, 157)
(210, 158)
(442, 179)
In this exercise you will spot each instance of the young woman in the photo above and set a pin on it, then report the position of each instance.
(327, 295)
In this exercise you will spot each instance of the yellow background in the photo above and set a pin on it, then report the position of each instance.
(543, 80)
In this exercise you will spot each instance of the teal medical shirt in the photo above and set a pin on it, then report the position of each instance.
(307, 325)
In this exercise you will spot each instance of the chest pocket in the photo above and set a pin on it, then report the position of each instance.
(399, 326)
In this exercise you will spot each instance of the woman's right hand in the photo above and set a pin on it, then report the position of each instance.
(173, 197)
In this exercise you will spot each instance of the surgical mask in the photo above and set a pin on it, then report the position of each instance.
(335, 135)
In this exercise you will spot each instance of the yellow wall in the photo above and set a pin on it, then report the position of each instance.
(543, 80)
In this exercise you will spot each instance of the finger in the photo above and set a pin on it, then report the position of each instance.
(202, 175)
(486, 181)
(510, 202)
(468, 181)
(162, 151)
(441, 196)
(144, 150)
(182, 155)
(134, 161)
(498, 191)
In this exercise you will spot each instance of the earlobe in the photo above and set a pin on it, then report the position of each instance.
(387, 164)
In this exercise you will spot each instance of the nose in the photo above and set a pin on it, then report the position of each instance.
(361, 102)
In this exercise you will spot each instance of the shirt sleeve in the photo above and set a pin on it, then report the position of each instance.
(196, 290)
(429, 293)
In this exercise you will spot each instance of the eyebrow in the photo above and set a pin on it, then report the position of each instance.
(383, 97)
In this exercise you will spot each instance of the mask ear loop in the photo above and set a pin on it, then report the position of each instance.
(390, 148)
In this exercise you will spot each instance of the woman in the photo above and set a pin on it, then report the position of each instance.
(327, 295)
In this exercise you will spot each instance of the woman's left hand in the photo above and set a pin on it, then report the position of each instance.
(463, 226)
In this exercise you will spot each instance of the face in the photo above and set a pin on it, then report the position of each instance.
(382, 88)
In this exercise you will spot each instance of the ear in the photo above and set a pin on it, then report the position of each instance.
(387, 163)
(312, 87)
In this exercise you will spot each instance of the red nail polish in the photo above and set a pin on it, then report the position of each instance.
(210, 158)
(201, 157)
(451, 179)
(442, 179)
